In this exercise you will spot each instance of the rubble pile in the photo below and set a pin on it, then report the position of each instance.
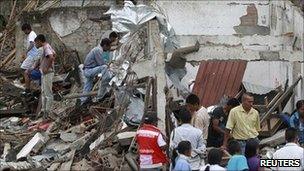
(97, 135)
(100, 134)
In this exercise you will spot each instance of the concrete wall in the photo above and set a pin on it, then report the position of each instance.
(216, 17)
(79, 28)
(244, 30)
(287, 18)
(248, 30)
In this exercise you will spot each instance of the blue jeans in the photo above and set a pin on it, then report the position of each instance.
(89, 74)
(243, 144)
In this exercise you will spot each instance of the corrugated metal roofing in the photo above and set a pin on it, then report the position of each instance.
(218, 78)
(256, 89)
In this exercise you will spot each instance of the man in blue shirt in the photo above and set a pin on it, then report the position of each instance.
(297, 120)
(96, 62)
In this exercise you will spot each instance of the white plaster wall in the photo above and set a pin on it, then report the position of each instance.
(210, 17)
(273, 74)
(64, 23)
(289, 19)
(268, 73)
(255, 42)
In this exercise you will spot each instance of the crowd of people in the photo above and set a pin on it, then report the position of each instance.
(201, 139)
(233, 127)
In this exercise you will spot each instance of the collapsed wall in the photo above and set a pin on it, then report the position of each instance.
(267, 34)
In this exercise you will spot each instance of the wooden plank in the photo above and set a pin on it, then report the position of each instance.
(8, 58)
(67, 165)
(8, 24)
(276, 97)
(279, 101)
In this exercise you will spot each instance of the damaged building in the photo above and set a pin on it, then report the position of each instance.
(214, 49)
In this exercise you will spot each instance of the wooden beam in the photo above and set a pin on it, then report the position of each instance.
(279, 101)
(272, 102)
(8, 24)
(8, 58)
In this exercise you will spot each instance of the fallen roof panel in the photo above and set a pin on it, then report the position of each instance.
(218, 78)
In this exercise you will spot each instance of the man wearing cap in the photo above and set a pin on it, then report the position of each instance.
(151, 145)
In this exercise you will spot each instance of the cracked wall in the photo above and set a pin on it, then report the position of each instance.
(249, 30)
(266, 31)
(79, 28)
(249, 23)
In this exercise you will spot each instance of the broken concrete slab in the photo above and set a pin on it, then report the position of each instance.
(53, 167)
(14, 120)
(97, 141)
(110, 161)
(67, 165)
(68, 137)
(16, 165)
(276, 139)
(7, 147)
(79, 129)
(47, 154)
(125, 138)
(82, 165)
(33, 145)
(81, 141)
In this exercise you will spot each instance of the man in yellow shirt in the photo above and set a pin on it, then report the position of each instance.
(243, 122)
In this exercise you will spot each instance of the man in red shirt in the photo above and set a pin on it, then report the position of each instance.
(151, 145)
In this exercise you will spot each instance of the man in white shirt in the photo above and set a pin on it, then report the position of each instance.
(31, 54)
(186, 132)
(290, 151)
(200, 116)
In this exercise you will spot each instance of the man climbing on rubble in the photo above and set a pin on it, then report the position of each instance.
(96, 62)
(200, 116)
(243, 123)
(47, 70)
(113, 36)
(290, 151)
(216, 130)
(31, 55)
(151, 145)
(186, 132)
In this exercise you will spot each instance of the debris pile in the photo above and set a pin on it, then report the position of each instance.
(99, 134)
